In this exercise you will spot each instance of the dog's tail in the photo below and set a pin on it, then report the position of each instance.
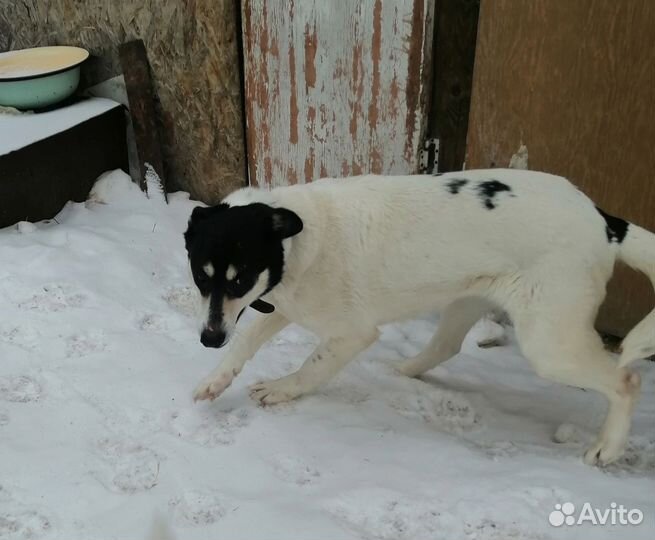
(638, 251)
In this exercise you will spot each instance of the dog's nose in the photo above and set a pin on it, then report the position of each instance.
(213, 338)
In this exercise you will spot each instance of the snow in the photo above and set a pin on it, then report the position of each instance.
(20, 130)
(154, 187)
(98, 432)
(520, 159)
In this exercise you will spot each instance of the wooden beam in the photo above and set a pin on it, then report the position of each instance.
(242, 86)
(138, 82)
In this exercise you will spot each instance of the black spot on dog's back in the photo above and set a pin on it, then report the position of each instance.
(615, 228)
(488, 190)
(455, 185)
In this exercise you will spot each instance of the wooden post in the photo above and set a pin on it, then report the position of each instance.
(456, 28)
(138, 82)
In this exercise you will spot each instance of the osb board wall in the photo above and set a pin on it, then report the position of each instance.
(193, 53)
(574, 82)
(334, 88)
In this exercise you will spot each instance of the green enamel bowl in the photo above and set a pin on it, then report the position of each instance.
(36, 78)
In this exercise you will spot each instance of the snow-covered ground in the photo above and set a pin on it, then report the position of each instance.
(99, 354)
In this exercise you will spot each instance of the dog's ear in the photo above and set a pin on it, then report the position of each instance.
(286, 223)
(200, 213)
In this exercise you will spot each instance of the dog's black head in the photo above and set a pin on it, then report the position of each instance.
(236, 255)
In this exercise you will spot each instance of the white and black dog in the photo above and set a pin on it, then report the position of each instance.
(340, 257)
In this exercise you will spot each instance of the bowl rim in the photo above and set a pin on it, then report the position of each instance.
(85, 56)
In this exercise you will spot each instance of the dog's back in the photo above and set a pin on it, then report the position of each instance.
(393, 247)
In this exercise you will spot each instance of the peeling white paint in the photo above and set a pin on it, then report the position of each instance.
(344, 125)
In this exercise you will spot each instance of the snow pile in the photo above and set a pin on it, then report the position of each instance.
(98, 434)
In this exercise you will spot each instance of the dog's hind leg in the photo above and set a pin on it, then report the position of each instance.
(243, 347)
(323, 364)
(557, 336)
(455, 322)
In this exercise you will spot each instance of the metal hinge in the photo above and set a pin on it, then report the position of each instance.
(428, 158)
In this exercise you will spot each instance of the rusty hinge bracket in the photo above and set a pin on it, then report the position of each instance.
(428, 159)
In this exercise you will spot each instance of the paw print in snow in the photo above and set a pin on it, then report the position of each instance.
(491, 530)
(196, 508)
(386, 516)
(18, 522)
(450, 411)
(22, 525)
(294, 470)
(19, 389)
(84, 344)
(54, 298)
(131, 468)
(152, 322)
(209, 427)
(183, 299)
(23, 336)
(639, 457)
(498, 450)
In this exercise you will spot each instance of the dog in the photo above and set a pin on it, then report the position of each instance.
(340, 257)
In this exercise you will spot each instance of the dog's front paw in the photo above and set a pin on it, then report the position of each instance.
(603, 452)
(212, 387)
(271, 392)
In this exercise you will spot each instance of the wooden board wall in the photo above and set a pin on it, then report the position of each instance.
(193, 51)
(575, 83)
(334, 88)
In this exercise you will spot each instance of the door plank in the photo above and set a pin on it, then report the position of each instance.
(334, 88)
(575, 83)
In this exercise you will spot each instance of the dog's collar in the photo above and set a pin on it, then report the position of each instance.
(262, 306)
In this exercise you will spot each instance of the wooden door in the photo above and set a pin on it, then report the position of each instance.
(575, 82)
(334, 88)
